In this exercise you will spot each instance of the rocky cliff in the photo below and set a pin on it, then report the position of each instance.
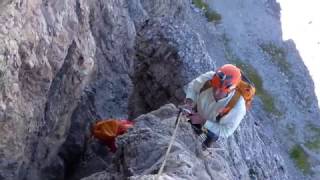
(66, 64)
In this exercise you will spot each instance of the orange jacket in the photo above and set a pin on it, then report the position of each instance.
(108, 130)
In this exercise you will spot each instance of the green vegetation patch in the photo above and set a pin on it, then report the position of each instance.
(252, 74)
(212, 15)
(278, 56)
(300, 159)
(3, 70)
(314, 129)
(200, 4)
(314, 145)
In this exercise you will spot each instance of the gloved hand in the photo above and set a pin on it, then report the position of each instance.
(187, 107)
(196, 118)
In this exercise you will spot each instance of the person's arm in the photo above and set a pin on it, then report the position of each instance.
(228, 123)
(192, 89)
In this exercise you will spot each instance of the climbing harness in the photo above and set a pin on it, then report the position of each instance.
(171, 142)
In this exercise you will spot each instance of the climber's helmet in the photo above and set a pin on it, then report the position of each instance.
(225, 80)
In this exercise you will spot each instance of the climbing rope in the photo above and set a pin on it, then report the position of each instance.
(170, 144)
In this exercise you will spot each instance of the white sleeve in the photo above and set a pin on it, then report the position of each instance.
(230, 122)
(192, 89)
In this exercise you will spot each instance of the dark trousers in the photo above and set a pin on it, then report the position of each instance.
(209, 140)
(212, 136)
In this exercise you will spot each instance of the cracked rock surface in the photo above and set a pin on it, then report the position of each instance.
(66, 64)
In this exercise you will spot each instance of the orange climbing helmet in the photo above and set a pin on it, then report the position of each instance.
(226, 78)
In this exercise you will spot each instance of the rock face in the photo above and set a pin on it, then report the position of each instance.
(151, 135)
(65, 64)
(165, 55)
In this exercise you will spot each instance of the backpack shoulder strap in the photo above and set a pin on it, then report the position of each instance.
(206, 86)
(229, 106)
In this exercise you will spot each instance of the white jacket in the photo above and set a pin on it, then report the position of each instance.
(208, 108)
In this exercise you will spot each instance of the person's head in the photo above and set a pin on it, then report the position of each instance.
(225, 80)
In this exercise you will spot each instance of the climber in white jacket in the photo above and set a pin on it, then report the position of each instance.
(208, 95)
